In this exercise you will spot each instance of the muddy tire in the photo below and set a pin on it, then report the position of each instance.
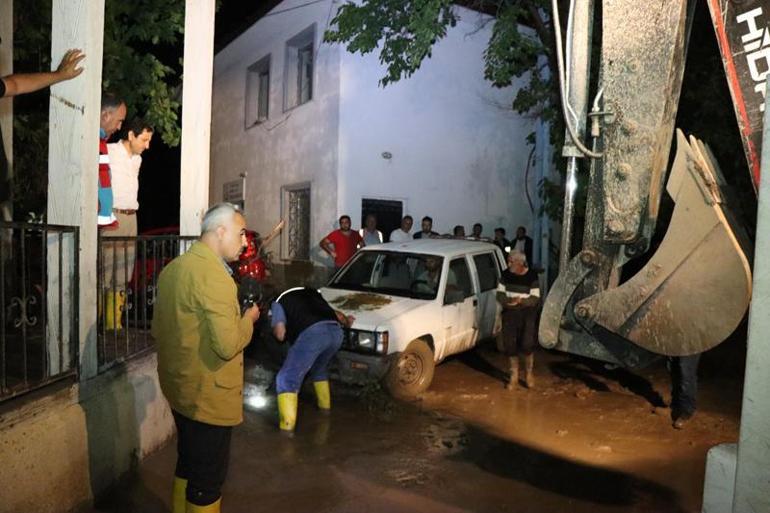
(412, 372)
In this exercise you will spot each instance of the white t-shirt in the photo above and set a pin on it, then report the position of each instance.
(125, 176)
(370, 238)
(399, 235)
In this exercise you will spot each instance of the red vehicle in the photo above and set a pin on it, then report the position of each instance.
(154, 249)
(253, 260)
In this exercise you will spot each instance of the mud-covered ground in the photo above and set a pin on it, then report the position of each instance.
(586, 439)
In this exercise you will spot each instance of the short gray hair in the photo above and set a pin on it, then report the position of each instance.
(217, 216)
(518, 256)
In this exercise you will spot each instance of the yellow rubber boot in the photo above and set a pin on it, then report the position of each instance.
(323, 395)
(178, 500)
(287, 410)
(113, 309)
(214, 507)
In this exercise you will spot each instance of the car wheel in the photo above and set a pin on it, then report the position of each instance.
(412, 372)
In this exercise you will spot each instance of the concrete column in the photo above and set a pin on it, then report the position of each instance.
(196, 113)
(73, 159)
(752, 479)
(6, 68)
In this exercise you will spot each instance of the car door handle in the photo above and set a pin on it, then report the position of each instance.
(475, 302)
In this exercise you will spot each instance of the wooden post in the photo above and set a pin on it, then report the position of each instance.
(73, 158)
(196, 113)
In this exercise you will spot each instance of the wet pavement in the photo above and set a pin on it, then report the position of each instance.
(586, 439)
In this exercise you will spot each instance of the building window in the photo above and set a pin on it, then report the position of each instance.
(258, 92)
(296, 201)
(298, 70)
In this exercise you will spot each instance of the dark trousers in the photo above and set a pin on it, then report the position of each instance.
(203, 452)
(684, 385)
(519, 330)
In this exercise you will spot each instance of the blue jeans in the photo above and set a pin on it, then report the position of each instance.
(311, 353)
(684, 385)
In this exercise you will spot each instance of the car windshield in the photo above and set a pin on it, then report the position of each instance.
(411, 275)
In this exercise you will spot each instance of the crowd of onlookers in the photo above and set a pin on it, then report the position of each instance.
(343, 242)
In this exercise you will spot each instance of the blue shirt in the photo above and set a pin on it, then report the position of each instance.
(277, 315)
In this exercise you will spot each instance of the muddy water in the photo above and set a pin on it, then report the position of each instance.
(584, 440)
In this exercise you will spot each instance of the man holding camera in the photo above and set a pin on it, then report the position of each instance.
(200, 335)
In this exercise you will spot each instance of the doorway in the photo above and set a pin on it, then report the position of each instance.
(388, 213)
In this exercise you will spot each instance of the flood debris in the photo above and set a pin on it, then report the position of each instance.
(361, 301)
(379, 403)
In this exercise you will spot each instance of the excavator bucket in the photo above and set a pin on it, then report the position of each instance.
(688, 298)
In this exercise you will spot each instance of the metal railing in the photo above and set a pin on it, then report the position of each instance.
(127, 280)
(38, 306)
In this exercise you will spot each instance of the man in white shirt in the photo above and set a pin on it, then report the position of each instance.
(402, 234)
(369, 233)
(118, 256)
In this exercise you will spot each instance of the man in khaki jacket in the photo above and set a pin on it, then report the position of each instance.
(200, 336)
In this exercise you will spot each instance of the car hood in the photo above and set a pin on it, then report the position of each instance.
(369, 309)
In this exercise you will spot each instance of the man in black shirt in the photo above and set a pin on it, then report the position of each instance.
(302, 316)
(500, 240)
(523, 243)
(426, 231)
(519, 294)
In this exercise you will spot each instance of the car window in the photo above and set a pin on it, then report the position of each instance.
(361, 270)
(392, 272)
(487, 269)
(458, 283)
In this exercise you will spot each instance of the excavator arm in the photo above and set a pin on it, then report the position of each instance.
(695, 289)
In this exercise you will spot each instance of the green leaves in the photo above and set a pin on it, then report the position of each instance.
(406, 30)
(137, 37)
(142, 40)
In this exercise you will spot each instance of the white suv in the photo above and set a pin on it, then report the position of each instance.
(415, 303)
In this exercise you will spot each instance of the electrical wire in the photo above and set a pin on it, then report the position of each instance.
(568, 58)
(526, 180)
(294, 8)
(560, 64)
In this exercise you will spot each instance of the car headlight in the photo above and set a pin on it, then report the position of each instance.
(366, 340)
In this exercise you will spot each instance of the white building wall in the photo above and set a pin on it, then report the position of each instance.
(459, 152)
(296, 146)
